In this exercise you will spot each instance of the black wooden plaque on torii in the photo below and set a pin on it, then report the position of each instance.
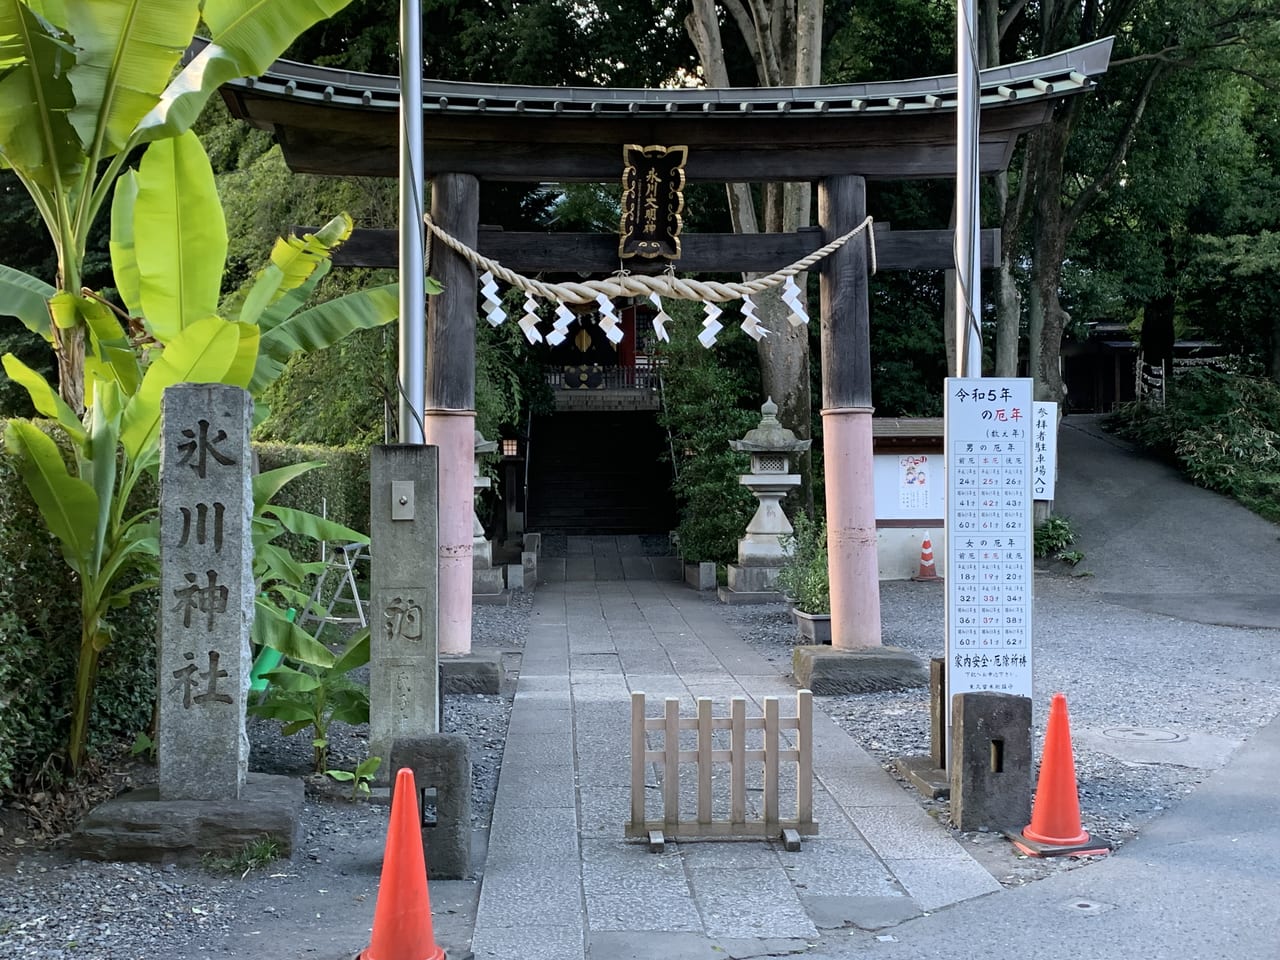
(652, 201)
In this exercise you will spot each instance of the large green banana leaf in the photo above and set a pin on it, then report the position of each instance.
(124, 256)
(99, 469)
(127, 51)
(293, 301)
(202, 353)
(27, 298)
(271, 629)
(36, 136)
(322, 326)
(68, 504)
(248, 35)
(43, 396)
(270, 482)
(309, 525)
(246, 360)
(180, 235)
(356, 654)
(293, 260)
(111, 343)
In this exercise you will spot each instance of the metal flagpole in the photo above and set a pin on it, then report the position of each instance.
(413, 302)
(967, 240)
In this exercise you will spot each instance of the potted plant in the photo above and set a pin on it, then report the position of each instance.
(804, 580)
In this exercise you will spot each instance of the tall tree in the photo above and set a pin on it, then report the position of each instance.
(573, 42)
(1154, 41)
(783, 39)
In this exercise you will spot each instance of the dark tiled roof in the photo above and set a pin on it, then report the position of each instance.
(1070, 71)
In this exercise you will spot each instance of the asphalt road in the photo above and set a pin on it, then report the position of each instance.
(1153, 542)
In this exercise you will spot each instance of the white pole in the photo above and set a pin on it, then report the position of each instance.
(413, 302)
(967, 241)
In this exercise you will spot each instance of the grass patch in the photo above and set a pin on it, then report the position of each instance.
(254, 855)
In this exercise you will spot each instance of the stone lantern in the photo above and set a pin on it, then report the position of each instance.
(761, 554)
(485, 579)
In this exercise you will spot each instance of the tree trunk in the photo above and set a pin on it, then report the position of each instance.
(785, 40)
(1048, 247)
(1048, 278)
(949, 317)
(1157, 332)
(1008, 299)
(1035, 327)
(1275, 347)
(68, 347)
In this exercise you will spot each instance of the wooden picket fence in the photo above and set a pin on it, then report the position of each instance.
(737, 756)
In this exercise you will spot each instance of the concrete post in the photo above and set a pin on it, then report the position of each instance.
(404, 693)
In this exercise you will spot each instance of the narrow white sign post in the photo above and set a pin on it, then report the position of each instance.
(989, 432)
(1044, 449)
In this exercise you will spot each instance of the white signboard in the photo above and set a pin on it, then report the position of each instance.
(1044, 449)
(989, 533)
(909, 486)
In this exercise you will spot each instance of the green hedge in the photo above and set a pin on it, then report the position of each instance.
(39, 639)
(40, 625)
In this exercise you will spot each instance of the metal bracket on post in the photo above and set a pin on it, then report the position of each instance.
(402, 501)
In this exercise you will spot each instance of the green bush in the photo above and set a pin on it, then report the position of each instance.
(805, 578)
(1222, 429)
(705, 405)
(39, 637)
(1052, 536)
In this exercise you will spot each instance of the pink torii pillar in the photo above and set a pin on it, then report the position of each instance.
(846, 419)
(449, 415)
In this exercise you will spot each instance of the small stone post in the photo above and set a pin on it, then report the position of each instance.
(991, 762)
(761, 554)
(206, 590)
(404, 680)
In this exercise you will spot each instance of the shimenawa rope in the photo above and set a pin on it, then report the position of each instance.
(666, 285)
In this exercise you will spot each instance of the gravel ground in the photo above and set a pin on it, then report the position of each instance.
(1116, 666)
(55, 907)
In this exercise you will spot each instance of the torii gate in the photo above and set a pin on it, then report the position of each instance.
(340, 123)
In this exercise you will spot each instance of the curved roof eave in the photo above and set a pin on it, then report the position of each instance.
(344, 122)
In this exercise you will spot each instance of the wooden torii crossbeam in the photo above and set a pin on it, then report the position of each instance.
(339, 123)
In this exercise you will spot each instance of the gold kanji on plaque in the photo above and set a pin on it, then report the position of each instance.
(652, 201)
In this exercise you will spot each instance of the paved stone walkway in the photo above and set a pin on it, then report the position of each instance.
(560, 881)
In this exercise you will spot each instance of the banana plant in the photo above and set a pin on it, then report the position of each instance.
(168, 251)
(312, 696)
(83, 83)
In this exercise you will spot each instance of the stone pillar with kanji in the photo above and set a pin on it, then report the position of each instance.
(206, 591)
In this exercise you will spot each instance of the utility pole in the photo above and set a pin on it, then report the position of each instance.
(967, 241)
(413, 301)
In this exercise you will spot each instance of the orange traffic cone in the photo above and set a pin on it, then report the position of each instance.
(402, 917)
(1055, 829)
(927, 569)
